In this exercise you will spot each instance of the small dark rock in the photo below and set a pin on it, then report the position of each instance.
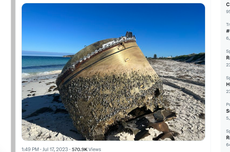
(49, 83)
(202, 116)
(52, 88)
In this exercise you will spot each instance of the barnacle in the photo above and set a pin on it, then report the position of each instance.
(106, 89)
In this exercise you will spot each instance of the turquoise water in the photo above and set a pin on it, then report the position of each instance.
(39, 65)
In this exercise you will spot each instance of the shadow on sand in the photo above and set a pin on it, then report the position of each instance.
(47, 111)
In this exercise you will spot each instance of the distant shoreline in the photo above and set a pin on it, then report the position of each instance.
(68, 56)
(191, 58)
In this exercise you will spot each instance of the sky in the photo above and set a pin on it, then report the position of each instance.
(161, 29)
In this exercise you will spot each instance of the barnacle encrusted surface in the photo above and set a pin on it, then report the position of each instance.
(105, 88)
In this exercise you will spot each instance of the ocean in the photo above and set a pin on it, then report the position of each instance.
(42, 65)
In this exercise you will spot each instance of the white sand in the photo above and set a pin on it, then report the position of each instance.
(52, 122)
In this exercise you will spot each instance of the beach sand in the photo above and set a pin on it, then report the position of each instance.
(44, 117)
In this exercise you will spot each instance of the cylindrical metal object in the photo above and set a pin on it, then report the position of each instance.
(104, 82)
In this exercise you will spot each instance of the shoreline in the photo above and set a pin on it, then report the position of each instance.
(40, 74)
(44, 117)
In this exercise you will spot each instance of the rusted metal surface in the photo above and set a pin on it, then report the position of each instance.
(105, 88)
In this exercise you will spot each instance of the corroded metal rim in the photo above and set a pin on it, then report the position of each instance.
(69, 70)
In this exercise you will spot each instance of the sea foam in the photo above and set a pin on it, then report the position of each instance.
(28, 75)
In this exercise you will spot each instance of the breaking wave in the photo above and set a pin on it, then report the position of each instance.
(27, 75)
